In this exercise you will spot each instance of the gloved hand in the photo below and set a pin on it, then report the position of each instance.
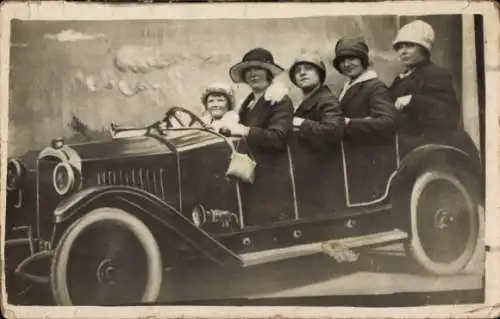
(297, 121)
(402, 102)
(236, 129)
(275, 92)
(162, 127)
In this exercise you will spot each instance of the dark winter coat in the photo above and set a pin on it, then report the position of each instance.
(270, 124)
(434, 106)
(323, 122)
(370, 109)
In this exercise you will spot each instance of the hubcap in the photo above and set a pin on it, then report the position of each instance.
(443, 219)
(114, 270)
(106, 272)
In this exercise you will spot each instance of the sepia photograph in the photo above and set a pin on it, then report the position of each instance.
(210, 156)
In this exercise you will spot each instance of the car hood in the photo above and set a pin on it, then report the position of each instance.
(145, 145)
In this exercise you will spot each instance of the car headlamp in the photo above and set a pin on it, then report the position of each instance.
(14, 174)
(199, 216)
(57, 143)
(63, 178)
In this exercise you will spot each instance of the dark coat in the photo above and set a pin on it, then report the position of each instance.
(434, 106)
(371, 111)
(270, 124)
(323, 122)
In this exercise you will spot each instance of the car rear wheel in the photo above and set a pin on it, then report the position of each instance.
(106, 257)
(445, 222)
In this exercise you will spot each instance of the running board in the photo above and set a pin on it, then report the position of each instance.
(272, 255)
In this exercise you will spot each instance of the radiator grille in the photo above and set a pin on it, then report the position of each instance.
(152, 180)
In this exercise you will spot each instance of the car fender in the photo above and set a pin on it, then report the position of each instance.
(417, 160)
(435, 154)
(155, 208)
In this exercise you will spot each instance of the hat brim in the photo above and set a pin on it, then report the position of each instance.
(236, 71)
(321, 72)
(340, 57)
(395, 43)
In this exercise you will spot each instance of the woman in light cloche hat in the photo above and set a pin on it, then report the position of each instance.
(424, 91)
(318, 117)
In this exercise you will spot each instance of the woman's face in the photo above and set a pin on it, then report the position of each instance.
(351, 67)
(306, 76)
(217, 105)
(256, 78)
(410, 54)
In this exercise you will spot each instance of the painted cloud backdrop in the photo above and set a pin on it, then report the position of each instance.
(131, 73)
(70, 35)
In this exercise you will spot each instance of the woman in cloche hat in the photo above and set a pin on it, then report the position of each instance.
(424, 92)
(318, 118)
(369, 112)
(265, 120)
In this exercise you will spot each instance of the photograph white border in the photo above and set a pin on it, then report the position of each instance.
(86, 11)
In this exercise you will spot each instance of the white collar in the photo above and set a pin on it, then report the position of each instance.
(365, 76)
(207, 118)
(406, 73)
(257, 96)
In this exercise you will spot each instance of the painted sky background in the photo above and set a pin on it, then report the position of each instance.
(132, 72)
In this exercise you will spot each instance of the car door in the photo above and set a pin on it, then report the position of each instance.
(318, 179)
(368, 169)
(271, 197)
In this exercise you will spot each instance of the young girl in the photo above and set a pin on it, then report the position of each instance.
(218, 100)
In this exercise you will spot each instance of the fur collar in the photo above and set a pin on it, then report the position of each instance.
(366, 76)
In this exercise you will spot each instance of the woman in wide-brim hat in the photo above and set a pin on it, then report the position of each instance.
(266, 114)
(424, 92)
(369, 112)
(318, 117)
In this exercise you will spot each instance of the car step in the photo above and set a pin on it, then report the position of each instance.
(272, 255)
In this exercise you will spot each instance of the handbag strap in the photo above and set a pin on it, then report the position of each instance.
(248, 148)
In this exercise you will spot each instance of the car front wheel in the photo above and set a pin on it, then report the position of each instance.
(106, 257)
(445, 222)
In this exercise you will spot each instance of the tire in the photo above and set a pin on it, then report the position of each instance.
(444, 222)
(106, 257)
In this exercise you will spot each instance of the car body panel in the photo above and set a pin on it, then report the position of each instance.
(144, 145)
(300, 196)
(155, 208)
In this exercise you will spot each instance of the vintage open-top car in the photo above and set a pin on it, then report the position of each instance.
(108, 217)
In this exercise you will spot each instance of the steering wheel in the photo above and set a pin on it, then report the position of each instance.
(175, 113)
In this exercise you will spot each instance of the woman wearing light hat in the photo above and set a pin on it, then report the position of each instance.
(318, 118)
(265, 120)
(424, 92)
(369, 112)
